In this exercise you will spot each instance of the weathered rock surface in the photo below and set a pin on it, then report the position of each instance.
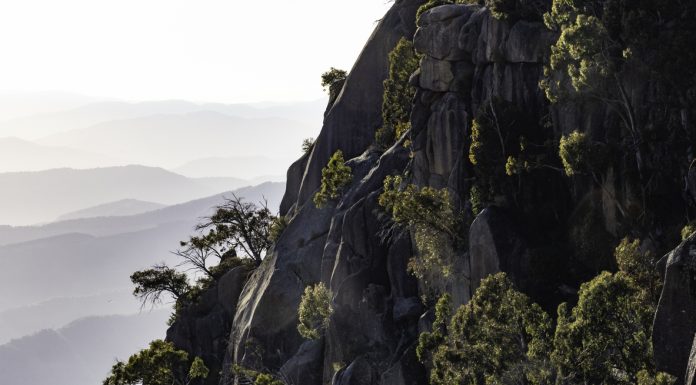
(675, 321)
(202, 329)
(351, 122)
(494, 246)
(469, 59)
(690, 377)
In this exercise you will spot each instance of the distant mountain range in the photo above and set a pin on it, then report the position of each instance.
(58, 312)
(70, 356)
(240, 167)
(125, 207)
(20, 155)
(47, 121)
(188, 212)
(89, 256)
(34, 197)
(173, 139)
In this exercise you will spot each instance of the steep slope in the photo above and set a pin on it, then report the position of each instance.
(548, 229)
(483, 131)
(266, 317)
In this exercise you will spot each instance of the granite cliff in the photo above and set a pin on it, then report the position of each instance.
(547, 231)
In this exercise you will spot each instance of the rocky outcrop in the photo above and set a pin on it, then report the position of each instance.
(202, 329)
(469, 59)
(352, 120)
(675, 320)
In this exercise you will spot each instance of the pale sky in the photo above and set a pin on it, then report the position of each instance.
(200, 50)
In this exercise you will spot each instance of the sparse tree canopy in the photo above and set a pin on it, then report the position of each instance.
(332, 76)
(160, 364)
(242, 227)
(152, 284)
(307, 145)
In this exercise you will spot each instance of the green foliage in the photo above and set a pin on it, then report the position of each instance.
(307, 145)
(639, 264)
(278, 225)
(314, 311)
(430, 5)
(412, 206)
(580, 52)
(689, 229)
(429, 341)
(151, 284)
(255, 377)
(267, 379)
(331, 77)
(398, 94)
(498, 337)
(660, 378)
(578, 154)
(496, 144)
(605, 339)
(334, 178)
(236, 226)
(241, 227)
(435, 227)
(160, 364)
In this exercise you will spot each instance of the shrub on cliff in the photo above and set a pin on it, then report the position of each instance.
(307, 145)
(496, 136)
(238, 234)
(160, 364)
(499, 337)
(434, 224)
(334, 178)
(639, 263)
(332, 76)
(152, 284)
(605, 339)
(398, 94)
(579, 154)
(314, 311)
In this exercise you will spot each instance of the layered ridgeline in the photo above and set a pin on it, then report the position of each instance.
(487, 203)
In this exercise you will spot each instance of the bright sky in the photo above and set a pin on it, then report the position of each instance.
(200, 50)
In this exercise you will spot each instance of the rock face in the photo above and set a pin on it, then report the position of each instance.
(675, 321)
(202, 329)
(690, 377)
(469, 61)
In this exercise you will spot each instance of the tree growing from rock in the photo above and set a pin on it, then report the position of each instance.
(334, 178)
(160, 364)
(332, 76)
(398, 94)
(314, 311)
(160, 280)
(499, 337)
(242, 227)
(605, 339)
